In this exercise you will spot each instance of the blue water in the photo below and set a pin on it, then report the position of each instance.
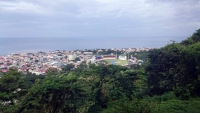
(19, 45)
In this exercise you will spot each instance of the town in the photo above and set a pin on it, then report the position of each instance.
(38, 63)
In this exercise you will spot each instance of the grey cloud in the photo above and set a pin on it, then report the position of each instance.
(96, 18)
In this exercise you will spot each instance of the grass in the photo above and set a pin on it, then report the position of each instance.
(117, 62)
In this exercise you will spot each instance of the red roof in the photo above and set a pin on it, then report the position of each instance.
(1, 58)
(4, 70)
(43, 70)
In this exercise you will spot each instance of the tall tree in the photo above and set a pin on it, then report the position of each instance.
(53, 95)
(9, 88)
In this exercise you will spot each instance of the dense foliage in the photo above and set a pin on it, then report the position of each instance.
(175, 67)
(169, 82)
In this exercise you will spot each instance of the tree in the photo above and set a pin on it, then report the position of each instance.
(9, 88)
(53, 95)
(52, 71)
(193, 39)
(1, 74)
(175, 67)
(77, 59)
(8, 84)
(164, 69)
(68, 67)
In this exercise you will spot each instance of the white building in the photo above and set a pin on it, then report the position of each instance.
(71, 57)
(122, 57)
(88, 53)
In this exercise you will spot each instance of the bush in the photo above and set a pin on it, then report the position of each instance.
(164, 97)
(177, 106)
(128, 106)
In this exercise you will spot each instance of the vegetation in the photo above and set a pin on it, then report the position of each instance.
(169, 82)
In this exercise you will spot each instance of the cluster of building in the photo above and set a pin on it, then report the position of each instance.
(40, 62)
(37, 63)
(132, 49)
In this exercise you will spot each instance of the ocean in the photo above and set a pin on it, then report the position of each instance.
(35, 44)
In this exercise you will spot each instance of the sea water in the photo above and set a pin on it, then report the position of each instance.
(35, 44)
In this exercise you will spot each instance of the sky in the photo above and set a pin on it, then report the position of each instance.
(144, 19)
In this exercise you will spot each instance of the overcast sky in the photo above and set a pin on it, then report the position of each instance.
(99, 18)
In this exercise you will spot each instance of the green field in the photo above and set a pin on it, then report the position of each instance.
(117, 62)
